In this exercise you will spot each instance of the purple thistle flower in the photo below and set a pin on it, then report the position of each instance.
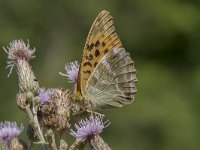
(71, 69)
(87, 127)
(45, 96)
(9, 130)
(18, 50)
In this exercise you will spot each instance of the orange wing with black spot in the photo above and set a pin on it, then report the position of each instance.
(101, 39)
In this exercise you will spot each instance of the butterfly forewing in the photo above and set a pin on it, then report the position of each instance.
(101, 39)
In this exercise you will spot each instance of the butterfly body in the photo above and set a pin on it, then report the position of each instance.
(107, 75)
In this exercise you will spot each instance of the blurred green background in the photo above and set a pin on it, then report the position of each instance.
(163, 38)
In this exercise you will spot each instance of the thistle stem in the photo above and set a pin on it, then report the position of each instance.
(51, 139)
(35, 124)
(63, 144)
(78, 144)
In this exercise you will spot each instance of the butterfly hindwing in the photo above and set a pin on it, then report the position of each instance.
(113, 82)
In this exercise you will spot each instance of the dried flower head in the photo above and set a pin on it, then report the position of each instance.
(71, 69)
(56, 113)
(9, 130)
(16, 51)
(87, 127)
(45, 96)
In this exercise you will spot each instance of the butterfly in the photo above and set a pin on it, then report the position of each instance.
(106, 76)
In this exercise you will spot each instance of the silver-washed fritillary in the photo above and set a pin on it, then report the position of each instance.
(107, 75)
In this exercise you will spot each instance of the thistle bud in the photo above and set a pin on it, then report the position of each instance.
(19, 55)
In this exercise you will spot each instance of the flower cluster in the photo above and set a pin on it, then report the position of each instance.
(48, 109)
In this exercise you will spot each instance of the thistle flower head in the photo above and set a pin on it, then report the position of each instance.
(45, 96)
(18, 50)
(71, 69)
(9, 130)
(87, 127)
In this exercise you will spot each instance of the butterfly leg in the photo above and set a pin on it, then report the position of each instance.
(95, 113)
